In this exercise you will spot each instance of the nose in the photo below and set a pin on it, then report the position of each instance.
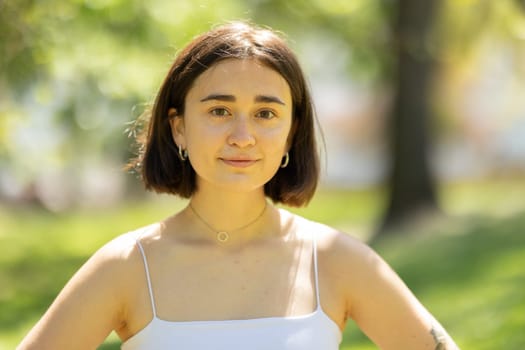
(241, 133)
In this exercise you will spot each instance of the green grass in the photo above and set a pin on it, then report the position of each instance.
(471, 274)
(468, 268)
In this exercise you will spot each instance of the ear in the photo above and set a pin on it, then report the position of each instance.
(177, 127)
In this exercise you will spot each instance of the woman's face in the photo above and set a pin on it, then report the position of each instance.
(236, 124)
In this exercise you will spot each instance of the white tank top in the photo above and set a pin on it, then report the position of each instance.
(315, 331)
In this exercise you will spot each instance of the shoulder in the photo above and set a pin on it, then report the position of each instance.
(118, 259)
(371, 293)
(123, 248)
(336, 246)
(114, 274)
(346, 259)
(100, 291)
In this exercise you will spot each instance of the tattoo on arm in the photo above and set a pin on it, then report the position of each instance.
(439, 338)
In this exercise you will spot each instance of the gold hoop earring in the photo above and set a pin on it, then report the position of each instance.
(183, 154)
(286, 160)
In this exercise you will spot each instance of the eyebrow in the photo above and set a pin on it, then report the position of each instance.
(231, 98)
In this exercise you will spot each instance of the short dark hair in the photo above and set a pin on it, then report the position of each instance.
(157, 159)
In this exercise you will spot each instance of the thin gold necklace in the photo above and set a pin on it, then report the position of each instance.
(224, 236)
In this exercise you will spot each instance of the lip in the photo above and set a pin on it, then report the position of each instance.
(239, 162)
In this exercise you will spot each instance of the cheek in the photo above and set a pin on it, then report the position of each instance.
(276, 146)
(198, 135)
(281, 137)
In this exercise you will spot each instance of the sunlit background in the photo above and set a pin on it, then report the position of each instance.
(74, 75)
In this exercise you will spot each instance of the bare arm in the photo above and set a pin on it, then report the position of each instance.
(88, 308)
(383, 306)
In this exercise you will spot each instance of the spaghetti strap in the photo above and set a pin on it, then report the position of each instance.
(148, 278)
(316, 272)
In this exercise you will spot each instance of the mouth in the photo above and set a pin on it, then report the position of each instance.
(239, 163)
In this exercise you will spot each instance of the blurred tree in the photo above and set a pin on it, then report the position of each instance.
(402, 44)
(432, 37)
(411, 184)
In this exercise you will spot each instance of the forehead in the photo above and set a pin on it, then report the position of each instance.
(240, 77)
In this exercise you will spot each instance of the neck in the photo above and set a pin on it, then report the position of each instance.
(242, 217)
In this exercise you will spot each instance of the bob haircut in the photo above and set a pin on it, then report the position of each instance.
(157, 159)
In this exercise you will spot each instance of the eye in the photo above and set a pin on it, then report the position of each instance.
(266, 114)
(220, 112)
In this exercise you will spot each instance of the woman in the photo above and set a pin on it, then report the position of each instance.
(233, 124)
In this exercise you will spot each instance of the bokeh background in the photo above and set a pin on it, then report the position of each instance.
(421, 108)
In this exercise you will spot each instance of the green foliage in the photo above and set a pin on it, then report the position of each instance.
(464, 24)
(359, 32)
(72, 73)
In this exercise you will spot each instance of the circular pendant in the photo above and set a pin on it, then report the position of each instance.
(223, 236)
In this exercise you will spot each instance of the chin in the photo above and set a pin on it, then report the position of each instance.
(243, 184)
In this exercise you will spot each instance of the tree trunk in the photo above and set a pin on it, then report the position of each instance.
(411, 184)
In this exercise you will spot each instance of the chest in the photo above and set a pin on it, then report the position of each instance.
(196, 283)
